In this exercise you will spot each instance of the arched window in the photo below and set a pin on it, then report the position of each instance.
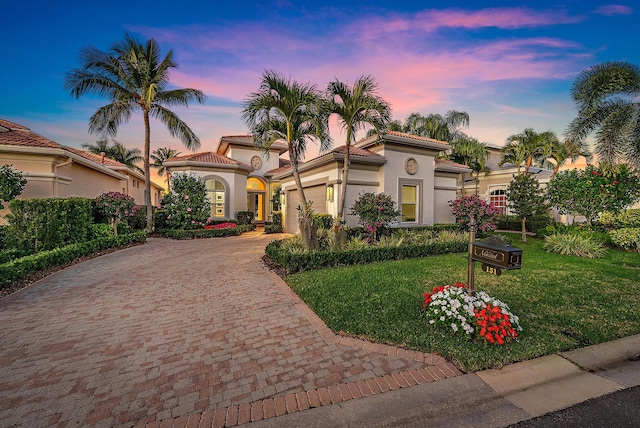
(498, 198)
(216, 195)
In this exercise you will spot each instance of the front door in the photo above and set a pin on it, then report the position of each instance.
(255, 204)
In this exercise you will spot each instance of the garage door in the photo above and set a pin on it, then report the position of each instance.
(317, 194)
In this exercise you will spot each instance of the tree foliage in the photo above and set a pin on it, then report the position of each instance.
(12, 184)
(592, 191)
(133, 76)
(375, 211)
(526, 199)
(606, 96)
(187, 206)
(471, 210)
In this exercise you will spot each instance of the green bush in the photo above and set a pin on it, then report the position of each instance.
(3, 237)
(244, 217)
(21, 267)
(627, 237)
(511, 222)
(272, 228)
(44, 224)
(279, 252)
(206, 233)
(277, 218)
(323, 221)
(187, 206)
(100, 230)
(573, 244)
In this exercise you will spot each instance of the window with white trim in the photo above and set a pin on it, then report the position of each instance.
(498, 199)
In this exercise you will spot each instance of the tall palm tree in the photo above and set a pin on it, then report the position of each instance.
(558, 153)
(528, 148)
(133, 77)
(472, 153)
(159, 156)
(286, 110)
(606, 96)
(101, 146)
(356, 107)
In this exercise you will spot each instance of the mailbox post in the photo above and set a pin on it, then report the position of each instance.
(494, 254)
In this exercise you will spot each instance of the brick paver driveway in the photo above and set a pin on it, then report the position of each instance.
(178, 330)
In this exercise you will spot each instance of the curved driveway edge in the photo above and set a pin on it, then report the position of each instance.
(176, 332)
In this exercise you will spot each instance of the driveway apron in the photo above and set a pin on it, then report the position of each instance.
(170, 329)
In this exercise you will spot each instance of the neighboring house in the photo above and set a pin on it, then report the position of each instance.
(56, 171)
(240, 177)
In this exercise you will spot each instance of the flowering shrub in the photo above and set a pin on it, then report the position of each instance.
(466, 208)
(187, 206)
(116, 207)
(452, 307)
(374, 212)
(226, 225)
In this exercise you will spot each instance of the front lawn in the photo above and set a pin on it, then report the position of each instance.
(563, 302)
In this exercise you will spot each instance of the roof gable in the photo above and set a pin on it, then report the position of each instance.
(12, 134)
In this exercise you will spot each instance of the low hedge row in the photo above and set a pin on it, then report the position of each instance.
(512, 222)
(19, 268)
(206, 233)
(293, 262)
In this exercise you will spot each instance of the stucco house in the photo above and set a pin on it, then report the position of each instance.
(56, 171)
(240, 177)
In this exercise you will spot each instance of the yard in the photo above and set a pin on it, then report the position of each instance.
(564, 302)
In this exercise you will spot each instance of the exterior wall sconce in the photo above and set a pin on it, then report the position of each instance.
(281, 199)
(330, 192)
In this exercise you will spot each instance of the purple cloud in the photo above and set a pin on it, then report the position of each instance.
(613, 9)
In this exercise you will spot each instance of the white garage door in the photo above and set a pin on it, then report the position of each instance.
(317, 194)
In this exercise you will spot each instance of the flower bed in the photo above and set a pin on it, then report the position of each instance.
(477, 315)
(225, 225)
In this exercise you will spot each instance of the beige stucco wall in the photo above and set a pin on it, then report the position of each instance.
(242, 154)
(444, 191)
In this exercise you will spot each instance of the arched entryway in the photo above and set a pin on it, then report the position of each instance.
(256, 198)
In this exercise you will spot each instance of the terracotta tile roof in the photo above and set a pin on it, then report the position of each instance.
(415, 137)
(207, 157)
(94, 157)
(247, 141)
(355, 151)
(17, 135)
(450, 163)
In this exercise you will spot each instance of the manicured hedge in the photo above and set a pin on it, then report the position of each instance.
(21, 267)
(512, 222)
(272, 228)
(322, 259)
(206, 233)
(45, 224)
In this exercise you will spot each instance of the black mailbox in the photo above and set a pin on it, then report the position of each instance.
(493, 251)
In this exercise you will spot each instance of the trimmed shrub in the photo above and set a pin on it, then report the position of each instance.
(627, 237)
(100, 230)
(277, 218)
(21, 267)
(279, 252)
(206, 233)
(44, 224)
(323, 221)
(187, 207)
(573, 244)
(244, 217)
(511, 222)
(272, 228)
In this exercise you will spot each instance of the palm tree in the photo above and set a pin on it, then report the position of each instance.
(128, 157)
(606, 96)
(356, 107)
(444, 128)
(132, 76)
(101, 146)
(159, 156)
(472, 153)
(528, 148)
(557, 154)
(286, 110)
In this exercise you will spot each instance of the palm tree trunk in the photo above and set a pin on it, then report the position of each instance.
(343, 185)
(305, 219)
(147, 172)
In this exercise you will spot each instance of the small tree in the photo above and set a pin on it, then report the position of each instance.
(374, 212)
(187, 206)
(592, 191)
(526, 199)
(12, 184)
(116, 207)
(471, 209)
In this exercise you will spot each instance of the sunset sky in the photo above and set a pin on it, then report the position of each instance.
(510, 65)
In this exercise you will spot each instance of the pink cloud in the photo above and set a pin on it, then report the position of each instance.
(613, 9)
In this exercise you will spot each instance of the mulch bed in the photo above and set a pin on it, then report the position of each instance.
(36, 276)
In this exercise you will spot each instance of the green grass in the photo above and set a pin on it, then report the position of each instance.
(564, 302)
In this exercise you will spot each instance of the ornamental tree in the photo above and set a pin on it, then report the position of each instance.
(187, 207)
(526, 199)
(374, 212)
(116, 207)
(592, 191)
(12, 183)
(470, 210)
